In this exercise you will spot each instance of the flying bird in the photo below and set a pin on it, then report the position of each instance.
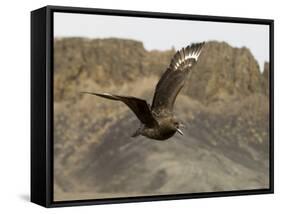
(158, 121)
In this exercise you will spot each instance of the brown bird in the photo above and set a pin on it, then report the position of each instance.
(158, 121)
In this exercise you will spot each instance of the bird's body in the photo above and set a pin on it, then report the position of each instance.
(164, 129)
(158, 121)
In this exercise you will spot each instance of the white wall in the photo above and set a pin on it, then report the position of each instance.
(15, 106)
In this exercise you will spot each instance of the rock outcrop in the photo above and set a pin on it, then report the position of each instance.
(103, 62)
(223, 72)
(266, 79)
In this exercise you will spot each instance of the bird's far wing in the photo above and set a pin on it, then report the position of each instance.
(138, 106)
(173, 79)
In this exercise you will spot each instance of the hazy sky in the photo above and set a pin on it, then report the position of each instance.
(162, 34)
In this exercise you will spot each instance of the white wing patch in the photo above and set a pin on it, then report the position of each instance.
(183, 58)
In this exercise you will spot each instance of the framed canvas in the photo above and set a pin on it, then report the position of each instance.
(131, 106)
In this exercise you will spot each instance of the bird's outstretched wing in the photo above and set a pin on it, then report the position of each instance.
(173, 79)
(138, 106)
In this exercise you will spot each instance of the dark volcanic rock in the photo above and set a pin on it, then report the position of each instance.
(214, 154)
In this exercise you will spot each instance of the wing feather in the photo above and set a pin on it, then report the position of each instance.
(138, 106)
(174, 77)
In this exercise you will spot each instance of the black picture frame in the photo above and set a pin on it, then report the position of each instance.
(42, 105)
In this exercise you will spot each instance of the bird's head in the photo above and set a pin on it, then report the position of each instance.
(177, 126)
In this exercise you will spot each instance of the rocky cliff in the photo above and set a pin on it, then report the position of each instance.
(103, 62)
(222, 70)
(266, 78)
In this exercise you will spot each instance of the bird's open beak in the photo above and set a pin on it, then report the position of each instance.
(179, 131)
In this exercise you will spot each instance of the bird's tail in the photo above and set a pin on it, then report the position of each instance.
(186, 57)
